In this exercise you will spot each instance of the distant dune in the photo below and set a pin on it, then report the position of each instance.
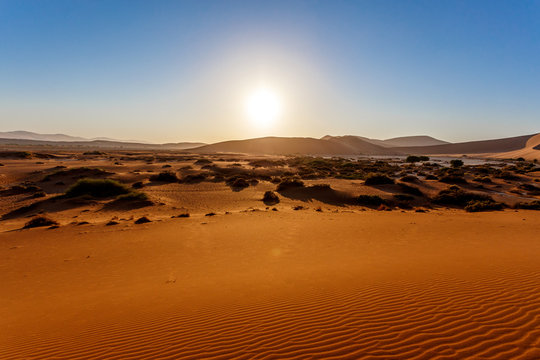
(345, 145)
(531, 151)
(96, 144)
(471, 147)
(417, 140)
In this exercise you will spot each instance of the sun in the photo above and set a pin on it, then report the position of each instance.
(263, 107)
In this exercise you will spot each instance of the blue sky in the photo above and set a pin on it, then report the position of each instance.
(181, 70)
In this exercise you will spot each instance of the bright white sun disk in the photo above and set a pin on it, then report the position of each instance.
(263, 107)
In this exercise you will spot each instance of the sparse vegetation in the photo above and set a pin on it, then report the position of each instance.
(39, 221)
(290, 184)
(142, 220)
(165, 176)
(483, 205)
(533, 205)
(97, 188)
(378, 179)
(458, 197)
(456, 163)
(270, 198)
(370, 200)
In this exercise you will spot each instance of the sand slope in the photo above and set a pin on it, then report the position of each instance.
(471, 147)
(347, 145)
(276, 285)
(531, 151)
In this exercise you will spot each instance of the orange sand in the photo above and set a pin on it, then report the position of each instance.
(276, 285)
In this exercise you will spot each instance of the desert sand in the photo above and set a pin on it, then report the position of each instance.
(316, 275)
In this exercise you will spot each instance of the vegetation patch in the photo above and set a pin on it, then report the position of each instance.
(458, 197)
(378, 179)
(39, 221)
(290, 184)
(165, 176)
(370, 200)
(270, 198)
(97, 188)
(533, 205)
(483, 205)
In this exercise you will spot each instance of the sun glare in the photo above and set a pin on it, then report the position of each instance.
(263, 107)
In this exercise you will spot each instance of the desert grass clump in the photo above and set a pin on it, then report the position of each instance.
(270, 198)
(456, 163)
(133, 196)
(378, 179)
(483, 205)
(40, 221)
(193, 178)
(533, 205)
(458, 197)
(165, 176)
(453, 179)
(290, 184)
(142, 220)
(409, 178)
(411, 190)
(96, 188)
(239, 183)
(370, 200)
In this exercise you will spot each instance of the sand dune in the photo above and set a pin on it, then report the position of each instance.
(471, 147)
(531, 151)
(296, 145)
(277, 285)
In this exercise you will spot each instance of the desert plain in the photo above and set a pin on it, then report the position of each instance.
(179, 255)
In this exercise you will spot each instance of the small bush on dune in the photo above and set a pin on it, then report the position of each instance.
(270, 198)
(409, 178)
(133, 196)
(97, 188)
(193, 178)
(239, 183)
(456, 163)
(483, 205)
(410, 190)
(290, 184)
(165, 176)
(458, 197)
(378, 179)
(534, 205)
(412, 159)
(203, 162)
(370, 200)
(39, 221)
(453, 179)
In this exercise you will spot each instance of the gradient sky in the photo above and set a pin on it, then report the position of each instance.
(166, 71)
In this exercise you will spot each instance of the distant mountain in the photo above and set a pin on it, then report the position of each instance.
(31, 138)
(471, 147)
(296, 145)
(27, 135)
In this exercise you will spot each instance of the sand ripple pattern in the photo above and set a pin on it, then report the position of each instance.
(496, 316)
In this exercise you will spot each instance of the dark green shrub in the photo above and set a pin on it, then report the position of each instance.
(270, 198)
(39, 221)
(533, 205)
(97, 188)
(290, 184)
(378, 179)
(412, 190)
(456, 163)
(412, 159)
(370, 200)
(165, 176)
(458, 197)
(453, 179)
(240, 183)
(193, 178)
(409, 178)
(483, 205)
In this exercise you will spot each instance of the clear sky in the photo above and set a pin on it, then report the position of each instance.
(182, 70)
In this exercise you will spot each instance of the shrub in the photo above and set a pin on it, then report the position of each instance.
(289, 184)
(142, 220)
(456, 163)
(39, 221)
(270, 198)
(138, 185)
(424, 158)
(133, 196)
(507, 175)
(409, 178)
(403, 197)
(458, 197)
(370, 200)
(378, 179)
(483, 205)
(193, 178)
(412, 159)
(97, 188)
(483, 179)
(410, 190)
(165, 176)
(453, 179)
(203, 162)
(239, 183)
(533, 205)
